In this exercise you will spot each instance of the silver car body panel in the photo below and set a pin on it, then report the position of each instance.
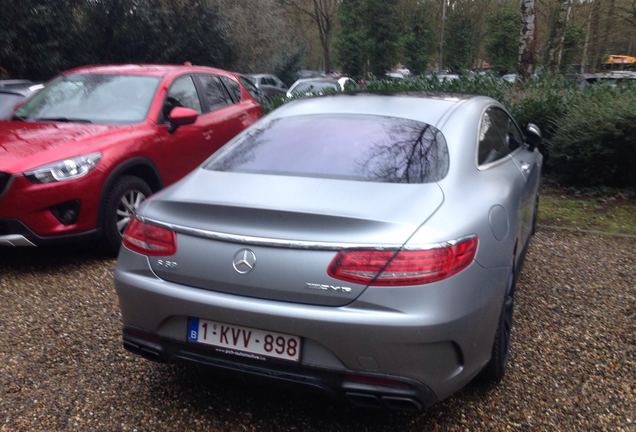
(438, 334)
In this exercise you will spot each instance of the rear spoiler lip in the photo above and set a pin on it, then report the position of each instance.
(292, 244)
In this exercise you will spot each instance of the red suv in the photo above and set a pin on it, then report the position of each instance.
(82, 154)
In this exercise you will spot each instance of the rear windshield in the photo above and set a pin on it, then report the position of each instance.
(368, 148)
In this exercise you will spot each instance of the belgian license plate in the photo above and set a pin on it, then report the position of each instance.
(244, 341)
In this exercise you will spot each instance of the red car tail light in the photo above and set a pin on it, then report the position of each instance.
(151, 240)
(404, 267)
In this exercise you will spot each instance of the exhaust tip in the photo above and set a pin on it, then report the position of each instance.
(402, 403)
(363, 400)
(146, 352)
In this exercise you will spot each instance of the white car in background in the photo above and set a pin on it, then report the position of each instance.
(317, 86)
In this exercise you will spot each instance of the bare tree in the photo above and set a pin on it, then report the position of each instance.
(586, 44)
(323, 14)
(594, 47)
(557, 35)
(528, 39)
(609, 23)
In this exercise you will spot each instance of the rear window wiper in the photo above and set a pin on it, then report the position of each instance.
(62, 119)
(16, 117)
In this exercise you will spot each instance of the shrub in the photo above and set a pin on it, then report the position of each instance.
(595, 143)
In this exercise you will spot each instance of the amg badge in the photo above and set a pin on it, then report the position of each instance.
(324, 287)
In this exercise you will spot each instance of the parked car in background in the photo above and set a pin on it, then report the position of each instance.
(365, 245)
(321, 85)
(269, 85)
(447, 77)
(511, 78)
(13, 92)
(79, 157)
(394, 76)
(250, 86)
(612, 78)
(307, 73)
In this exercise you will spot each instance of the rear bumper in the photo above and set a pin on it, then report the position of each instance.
(437, 337)
(362, 390)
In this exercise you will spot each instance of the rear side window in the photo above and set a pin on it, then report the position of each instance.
(498, 136)
(249, 85)
(356, 147)
(233, 87)
(214, 93)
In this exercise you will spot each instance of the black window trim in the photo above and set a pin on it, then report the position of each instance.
(228, 90)
(201, 91)
(503, 159)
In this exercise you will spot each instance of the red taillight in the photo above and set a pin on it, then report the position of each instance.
(148, 239)
(405, 267)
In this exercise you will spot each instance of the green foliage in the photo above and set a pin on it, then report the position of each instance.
(417, 39)
(287, 65)
(351, 42)
(383, 34)
(595, 143)
(574, 39)
(369, 37)
(542, 101)
(36, 36)
(39, 38)
(502, 40)
(462, 42)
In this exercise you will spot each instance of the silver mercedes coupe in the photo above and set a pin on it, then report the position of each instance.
(364, 245)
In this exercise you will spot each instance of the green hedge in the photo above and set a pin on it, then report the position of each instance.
(595, 143)
(589, 136)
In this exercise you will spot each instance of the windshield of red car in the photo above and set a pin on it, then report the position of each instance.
(92, 98)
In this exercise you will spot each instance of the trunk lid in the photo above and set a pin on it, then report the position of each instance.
(292, 225)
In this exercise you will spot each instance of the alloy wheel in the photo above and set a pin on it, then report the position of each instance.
(127, 207)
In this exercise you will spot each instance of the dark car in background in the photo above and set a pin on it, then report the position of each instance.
(269, 85)
(79, 157)
(13, 92)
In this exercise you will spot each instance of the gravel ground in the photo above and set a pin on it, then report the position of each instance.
(62, 366)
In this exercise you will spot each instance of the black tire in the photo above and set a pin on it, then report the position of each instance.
(534, 216)
(496, 367)
(113, 200)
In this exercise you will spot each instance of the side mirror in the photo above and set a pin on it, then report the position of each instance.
(181, 116)
(533, 136)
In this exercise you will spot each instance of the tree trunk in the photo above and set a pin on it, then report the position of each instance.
(594, 48)
(609, 22)
(557, 35)
(440, 63)
(568, 12)
(528, 39)
(586, 44)
(326, 55)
